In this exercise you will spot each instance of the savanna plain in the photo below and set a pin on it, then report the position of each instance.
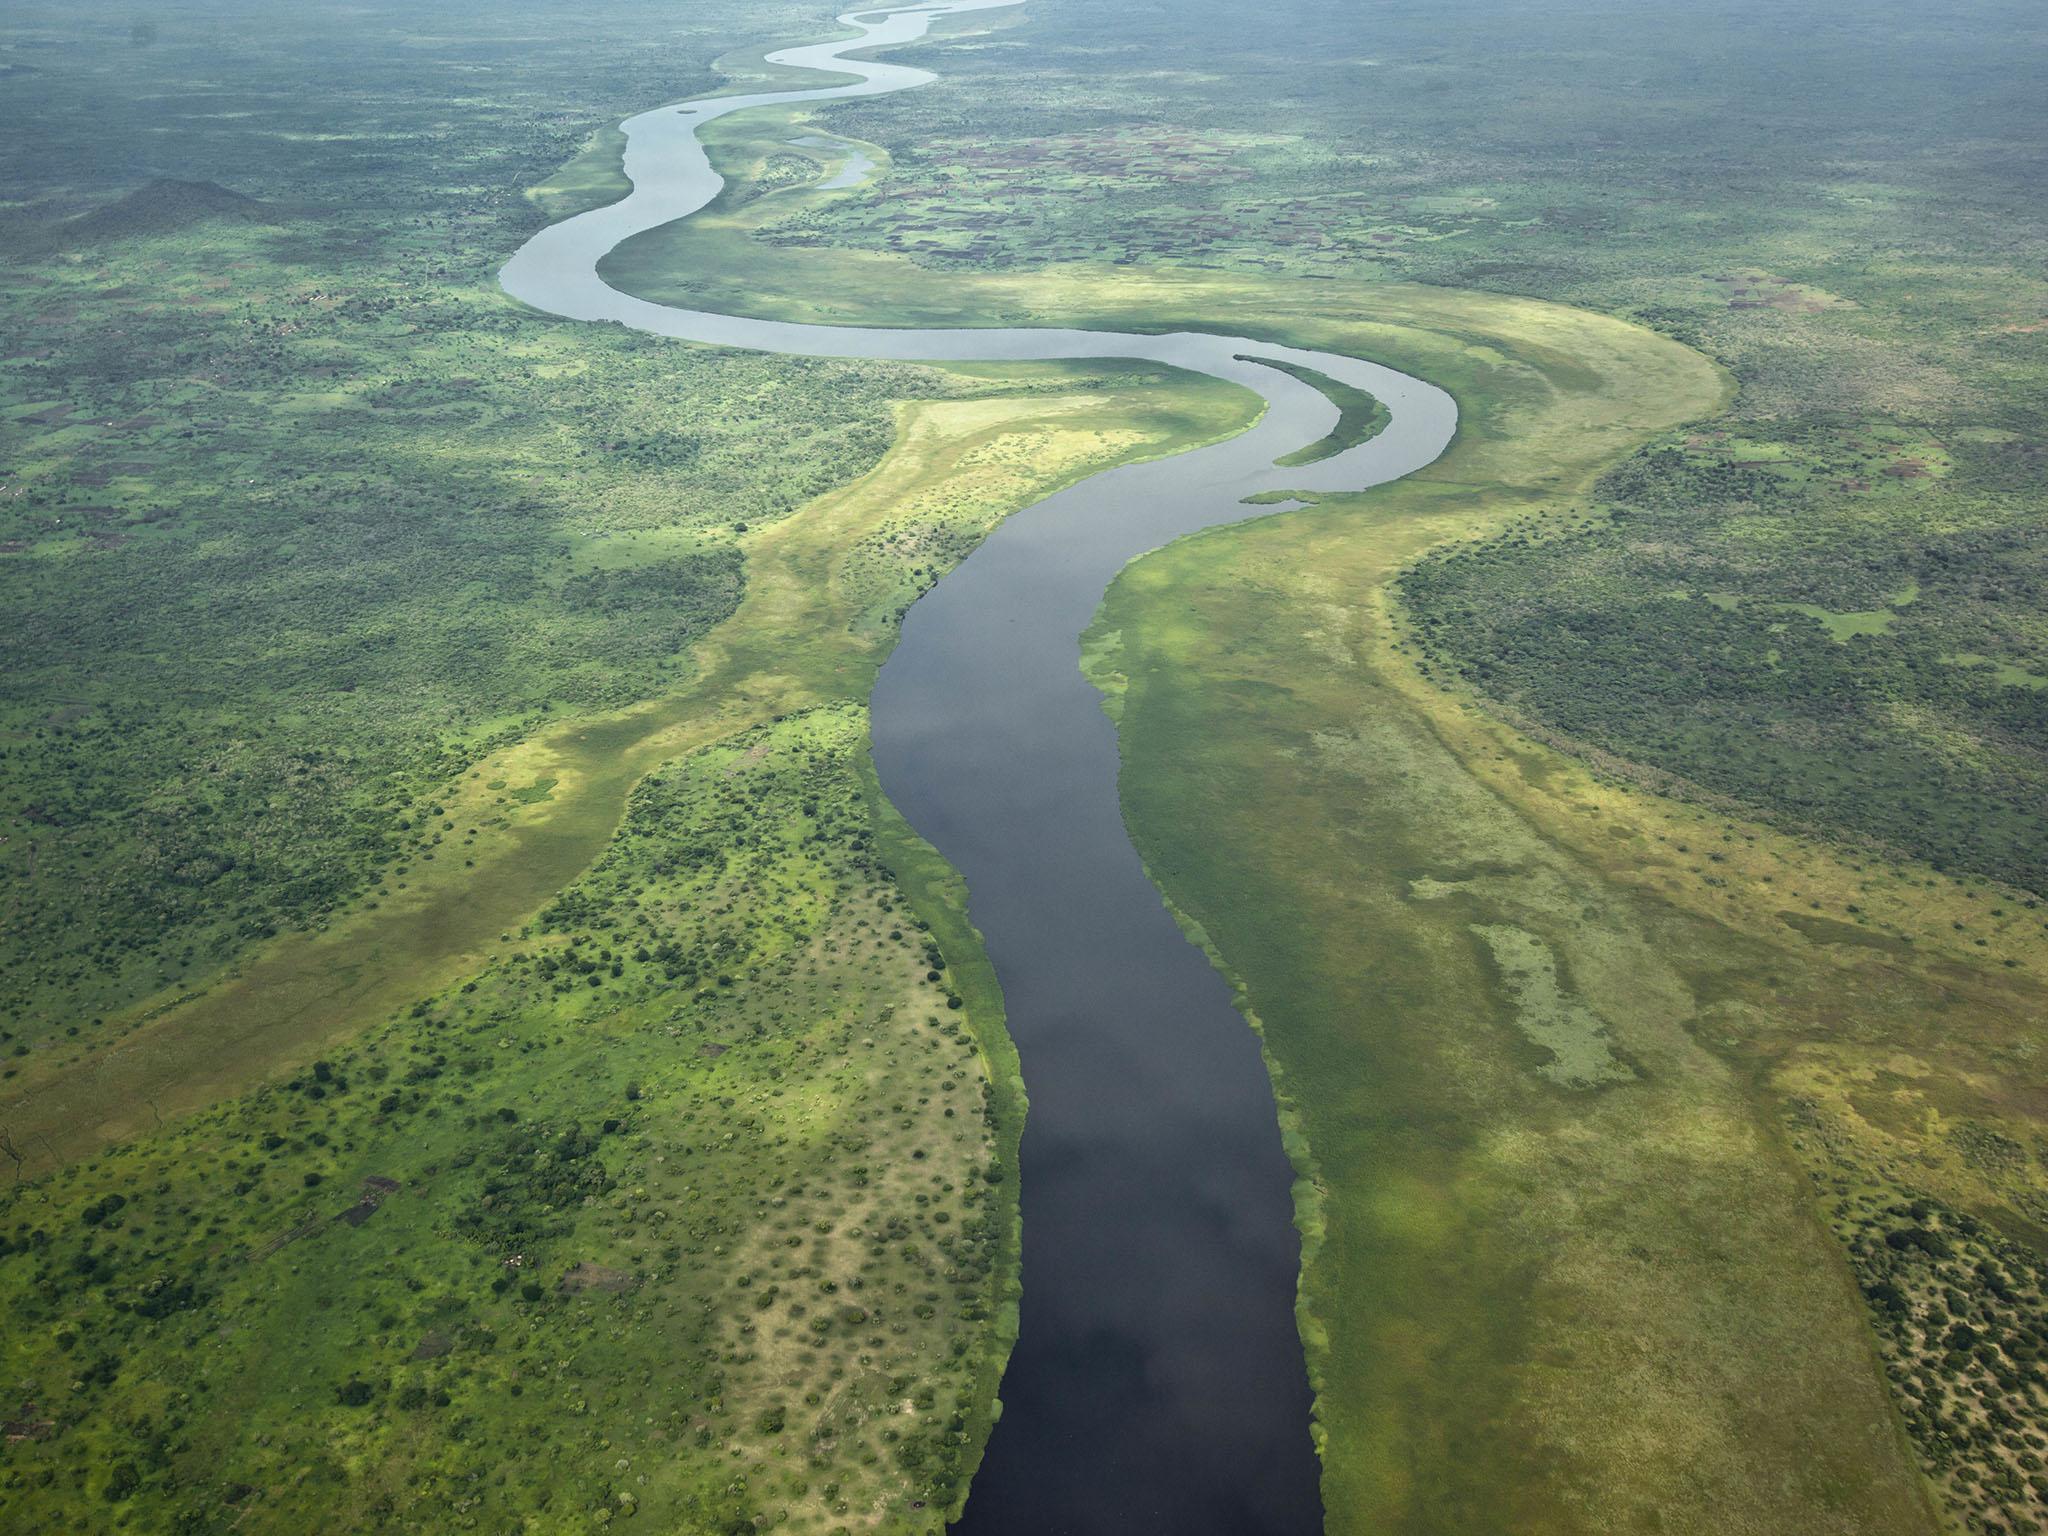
(481, 1052)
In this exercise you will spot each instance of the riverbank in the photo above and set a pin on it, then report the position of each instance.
(1512, 1413)
(988, 741)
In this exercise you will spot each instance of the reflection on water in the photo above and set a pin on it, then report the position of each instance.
(1157, 1384)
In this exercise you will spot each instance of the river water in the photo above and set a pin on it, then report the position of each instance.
(1157, 1385)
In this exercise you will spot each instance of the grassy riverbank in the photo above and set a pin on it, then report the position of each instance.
(1579, 1111)
(755, 1411)
(480, 1049)
(823, 589)
(1634, 1162)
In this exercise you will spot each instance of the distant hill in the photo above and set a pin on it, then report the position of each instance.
(162, 207)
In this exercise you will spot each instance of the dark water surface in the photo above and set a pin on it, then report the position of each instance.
(1157, 1385)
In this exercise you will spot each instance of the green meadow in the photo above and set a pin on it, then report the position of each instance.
(480, 1048)
(1619, 832)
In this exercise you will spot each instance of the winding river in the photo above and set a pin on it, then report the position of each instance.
(1157, 1384)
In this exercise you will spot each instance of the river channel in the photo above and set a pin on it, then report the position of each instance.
(1157, 1385)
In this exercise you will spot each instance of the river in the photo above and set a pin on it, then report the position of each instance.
(1157, 1385)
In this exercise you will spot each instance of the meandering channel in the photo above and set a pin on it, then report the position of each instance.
(1157, 1384)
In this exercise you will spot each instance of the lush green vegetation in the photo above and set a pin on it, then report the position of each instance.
(1519, 1168)
(1559, 1115)
(1360, 417)
(353, 600)
(1862, 249)
(1643, 1141)
(1419, 1227)
(397, 581)
(1865, 685)
(692, 1202)
(1599, 1055)
(759, 896)
(1564, 1120)
(329, 518)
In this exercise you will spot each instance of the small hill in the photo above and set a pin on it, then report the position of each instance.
(163, 207)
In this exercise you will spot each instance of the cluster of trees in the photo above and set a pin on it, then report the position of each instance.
(1959, 1313)
(1661, 638)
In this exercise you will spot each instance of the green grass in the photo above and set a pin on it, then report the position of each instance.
(823, 591)
(1819, 697)
(363, 613)
(675, 1183)
(1360, 417)
(801, 648)
(1533, 1288)
(1642, 1144)
(1559, 1202)
(791, 660)
(596, 178)
(1885, 322)
(1446, 1138)
(1818, 605)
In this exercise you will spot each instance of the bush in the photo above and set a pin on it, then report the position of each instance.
(121, 1482)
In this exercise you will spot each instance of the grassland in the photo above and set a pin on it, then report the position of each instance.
(1646, 1140)
(822, 596)
(772, 890)
(1863, 250)
(1643, 1144)
(385, 519)
(694, 1197)
(482, 1051)
(1573, 1121)
(1360, 418)
(790, 1414)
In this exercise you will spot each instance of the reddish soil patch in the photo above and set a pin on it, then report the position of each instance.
(375, 1188)
(587, 1276)
(433, 1347)
(28, 1427)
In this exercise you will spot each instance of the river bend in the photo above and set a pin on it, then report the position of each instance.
(1157, 1385)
